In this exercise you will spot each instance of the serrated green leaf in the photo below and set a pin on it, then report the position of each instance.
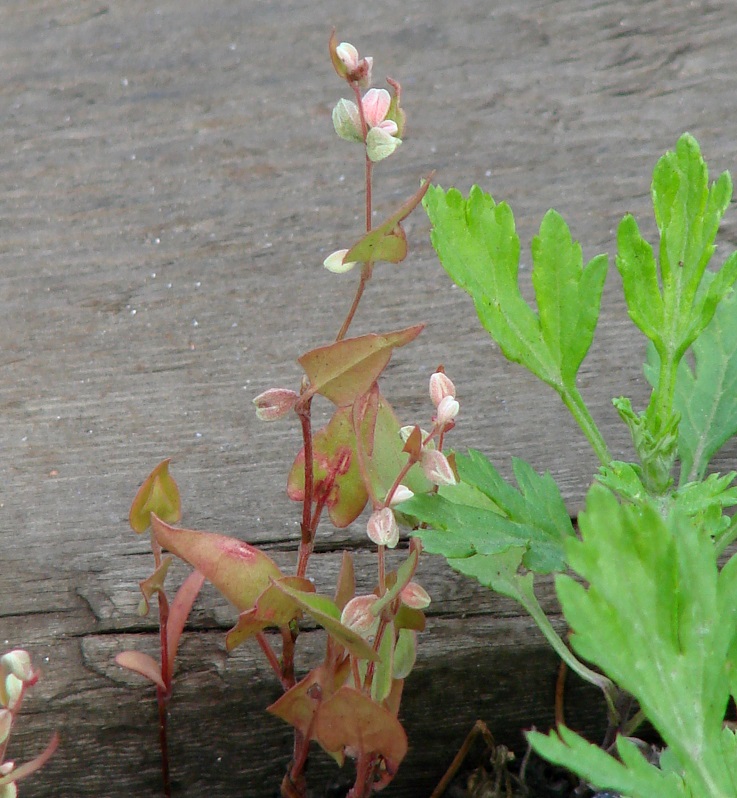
(477, 244)
(687, 212)
(568, 296)
(705, 396)
(534, 516)
(637, 779)
(649, 620)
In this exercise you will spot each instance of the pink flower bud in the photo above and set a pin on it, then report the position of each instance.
(415, 596)
(348, 55)
(382, 528)
(275, 403)
(18, 662)
(357, 615)
(356, 69)
(437, 468)
(440, 387)
(347, 121)
(401, 494)
(447, 411)
(376, 104)
(334, 262)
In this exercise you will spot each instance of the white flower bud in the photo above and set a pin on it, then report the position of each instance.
(447, 411)
(358, 617)
(437, 468)
(347, 121)
(380, 144)
(334, 262)
(382, 528)
(440, 387)
(401, 494)
(18, 662)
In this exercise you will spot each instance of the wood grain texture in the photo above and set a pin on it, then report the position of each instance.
(169, 186)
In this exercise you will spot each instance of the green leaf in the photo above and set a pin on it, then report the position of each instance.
(636, 779)
(533, 516)
(387, 242)
(325, 612)
(477, 244)
(648, 620)
(706, 395)
(158, 494)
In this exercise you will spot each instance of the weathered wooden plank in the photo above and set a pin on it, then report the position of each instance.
(169, 185)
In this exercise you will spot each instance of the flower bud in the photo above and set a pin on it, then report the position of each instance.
(437, 468)
(401, 494)
(415, 596)
(12, 689)
(440, 387)
(358, 617)
(334, 262)
(347, 121)
(18, 662)
(447, 411)
(376, 103)
(351, 66)
(275, 403)
(382, 528)
(6, 722)
(380, 143)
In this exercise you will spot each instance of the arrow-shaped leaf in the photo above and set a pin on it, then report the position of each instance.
(344, 370)
(387, 242)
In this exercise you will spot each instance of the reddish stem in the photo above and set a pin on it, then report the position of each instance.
(272, 660)
(303, 411)
(367, 267)
(162, 700)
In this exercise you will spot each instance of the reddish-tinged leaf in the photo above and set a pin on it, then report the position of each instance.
(407, 618)
(159, 494)
(273, 608)
(153, 584)
(33, 765)
(344, 370)
(324, 611)
(179, 611)
(346, 588)
(387, 242)
(351, 721)
(141, 663)
(348, 495)
(299, 704)
(241, 572)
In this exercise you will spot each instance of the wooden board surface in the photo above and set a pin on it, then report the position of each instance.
(169, 186)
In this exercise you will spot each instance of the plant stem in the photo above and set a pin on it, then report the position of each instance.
(577, 407)
(367, 268)
(530, 603)
(162, 701)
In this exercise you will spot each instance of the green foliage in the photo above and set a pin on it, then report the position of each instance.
(657, 639)
(477, 244)
(532, 518)
(655, 613)
(705, 395)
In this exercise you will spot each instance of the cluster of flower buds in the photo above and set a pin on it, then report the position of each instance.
(358, 614)
(379, 122)
(16, 674)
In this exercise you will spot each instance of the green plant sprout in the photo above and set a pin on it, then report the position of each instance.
(657, 614)
(17, 675)
(349, 702)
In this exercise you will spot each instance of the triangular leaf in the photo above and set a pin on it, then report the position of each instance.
(159, 494)
(387, 242)
(346, 369)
